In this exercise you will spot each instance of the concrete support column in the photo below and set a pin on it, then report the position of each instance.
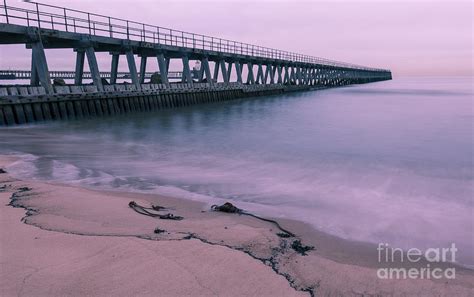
(163, 65)
(142, 69)
(216, 71)
(114, 68)
(323, 76)
(267, 73)
(272, 74)
(229, 71)
(298, 75)
(259, 78)
(34, 74)
(80, 56)
(94, 68)
(329, 77)
(313, 76)
(286, 79)
(238, 70)
(41, 66)
(206, 70)
(306, 76)
(225, 77)
(273, 70)
(280, 78)
(250, 76)
(187, 78)
(292, 75)
(326, 77)
(200, 76)
(261, 75)
(168, 63)
(132, 67)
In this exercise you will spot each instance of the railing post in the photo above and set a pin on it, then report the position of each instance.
(6, 10)
(110, 29)
(65, 20)
(38, 15)
(89, 22)
(128, 33)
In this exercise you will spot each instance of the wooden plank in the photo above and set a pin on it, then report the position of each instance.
(92, 108)
(63, 110)
(46, 111)
(110, 105)
(38, 112)
(30, 118)
(70, 110)
(105, 108)
(19, 113)
(78, 109)
(98, 108)
(3, 120)
(8, 113)
(85, 108)
(54, 108)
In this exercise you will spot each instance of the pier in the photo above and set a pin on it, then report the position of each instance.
(227, 69)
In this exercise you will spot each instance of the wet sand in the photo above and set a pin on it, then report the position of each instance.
(59, 240)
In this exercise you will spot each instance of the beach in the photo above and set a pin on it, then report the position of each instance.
(62, 240)
(226, 148)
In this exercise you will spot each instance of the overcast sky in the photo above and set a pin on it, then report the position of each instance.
(409, 37)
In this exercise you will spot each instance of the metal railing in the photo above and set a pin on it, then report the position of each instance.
(71, 20)
(26, 74)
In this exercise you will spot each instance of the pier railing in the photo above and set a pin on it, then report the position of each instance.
(26, 74)
(71, 20)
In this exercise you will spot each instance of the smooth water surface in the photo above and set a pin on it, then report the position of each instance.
(383, 162)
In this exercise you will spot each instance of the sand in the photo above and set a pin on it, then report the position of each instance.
(60, 240)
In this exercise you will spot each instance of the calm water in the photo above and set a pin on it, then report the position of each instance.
(384, 162)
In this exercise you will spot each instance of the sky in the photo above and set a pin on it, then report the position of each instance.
(419, 37)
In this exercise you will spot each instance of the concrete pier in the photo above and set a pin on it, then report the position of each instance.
(239, 69)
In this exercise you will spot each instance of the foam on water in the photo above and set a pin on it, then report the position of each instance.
(386, 162)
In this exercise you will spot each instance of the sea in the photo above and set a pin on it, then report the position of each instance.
(386, 162)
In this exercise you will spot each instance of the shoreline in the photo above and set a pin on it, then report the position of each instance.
(336, 266)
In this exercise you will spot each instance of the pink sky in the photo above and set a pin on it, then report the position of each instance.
(408, 37)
